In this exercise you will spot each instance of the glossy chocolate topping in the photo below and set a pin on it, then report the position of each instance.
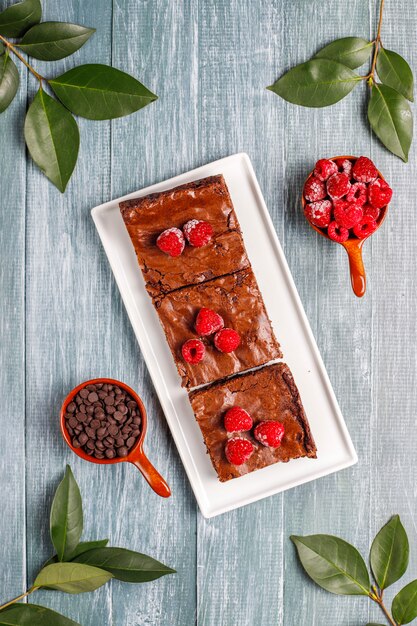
(237, 299)
(269, 393)
(206, 199)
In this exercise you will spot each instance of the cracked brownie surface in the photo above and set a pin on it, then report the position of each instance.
(238, 300)
(207, 199)
(269, 393)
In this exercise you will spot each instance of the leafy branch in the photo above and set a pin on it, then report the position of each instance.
(78, 566)
(338, 567)
(329, 76)
(93, 91)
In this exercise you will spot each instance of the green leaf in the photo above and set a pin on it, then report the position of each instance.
(132, 567)
(391, 119)
(350, 51)
(1, 48)
(333, 564)
(83, 546)
(317, 83)
(71, 577)
(51, 41)
(395, 72)
(9, 81)
(66, 521)
(100, 92)
(53, 140)
(33, 615)
(16, 20)
(389, 553)
(404, 605)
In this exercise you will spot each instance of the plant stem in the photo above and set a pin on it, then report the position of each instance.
(377, 44)
(23, 595)
(11, 47)
(387, 615)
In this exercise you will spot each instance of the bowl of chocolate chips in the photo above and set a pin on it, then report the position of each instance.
(104, 421)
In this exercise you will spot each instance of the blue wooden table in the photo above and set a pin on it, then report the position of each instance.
(62, 320)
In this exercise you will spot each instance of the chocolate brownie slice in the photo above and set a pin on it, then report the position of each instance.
(237, 299)
(207, 199)
(269, 393)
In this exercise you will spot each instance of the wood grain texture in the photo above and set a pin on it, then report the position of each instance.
(62, 319)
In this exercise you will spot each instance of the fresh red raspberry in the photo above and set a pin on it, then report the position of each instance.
(364, 171)
(380, 193)
(198, 233)
(208, 322)
(338, 185)
(269, 433)
(371, 211)
(365, 227)
(319, 213)
(237, 420)
(347, 214)
(227, 340)
(344, 165)
(193, 351)
(325, 168)
(337, 233)
(358, 194)
(314, 189)
(171, 241)
(238, 450)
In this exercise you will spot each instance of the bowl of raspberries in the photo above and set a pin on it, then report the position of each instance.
(345, 199)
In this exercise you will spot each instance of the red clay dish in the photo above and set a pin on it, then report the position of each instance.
(136, 455)
(353, 244)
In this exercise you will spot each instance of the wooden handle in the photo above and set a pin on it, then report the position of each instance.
(151, 475)
(353, 248)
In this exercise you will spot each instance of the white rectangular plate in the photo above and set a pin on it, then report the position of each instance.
(335, 450)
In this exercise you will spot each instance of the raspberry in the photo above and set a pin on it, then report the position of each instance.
(365, 227)
(338, 185)
(347, 214)
(269, 433)
(319, 213)
(364, 170)
(371, 211)
(193, 351)
(344, 165)
(208, 322)
(226, 340)
(337, 233)
(237, 419)
(324, 168)
(171, 241)
(380, 193)
(198, 233)
(238, 450)
(358, 194)
(314, 189)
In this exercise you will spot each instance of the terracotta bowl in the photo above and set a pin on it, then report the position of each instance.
(136, 455)
(353, 245)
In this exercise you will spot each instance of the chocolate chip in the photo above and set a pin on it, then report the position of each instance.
(102, 432)
(90, 410)
(123, 451)
(130, 442)
(98, 455)
(91, 444)
(100, 446)
(132, 405)
(90, 432)
(110, 453)
(98, 412)
(73, 422)
(122, 408)
(91, 387)
(109, 400)
(71, 407)
(118, 416)
(113, 430)
(95, 424)
(76, 443)
(83, 438)
(92, 397)
(119, 442)
(84, 393)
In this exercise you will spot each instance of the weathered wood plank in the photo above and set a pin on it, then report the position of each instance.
(337, 504)
(12, 342)
(68, 326)
(155, 41)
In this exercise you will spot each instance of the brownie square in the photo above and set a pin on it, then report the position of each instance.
(269, 393)
(237, 299)
(207, 199)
